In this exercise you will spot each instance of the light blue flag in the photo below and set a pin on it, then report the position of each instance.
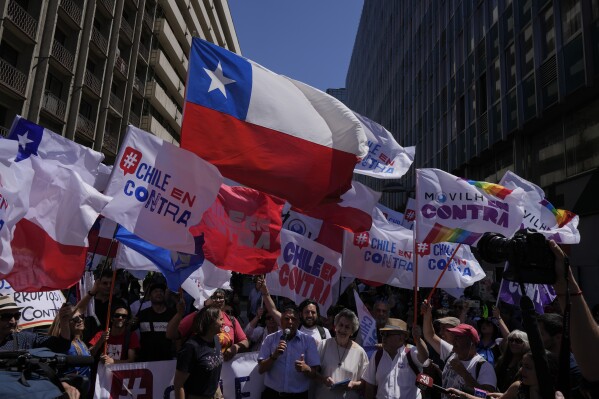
(176, 266)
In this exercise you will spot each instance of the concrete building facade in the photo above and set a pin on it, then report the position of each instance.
(480, 87)
(86, 69)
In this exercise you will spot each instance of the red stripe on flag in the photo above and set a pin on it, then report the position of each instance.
(288, 167)
(42, 264)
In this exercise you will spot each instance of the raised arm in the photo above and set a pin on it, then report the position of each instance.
(500, 323)
(269, 304)
(584, 331)
(427, 327)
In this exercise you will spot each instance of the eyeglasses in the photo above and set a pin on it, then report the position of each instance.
(515, 340)
(268, 318)
(120, 316)
(10, 316)
(77, 319)
(390, 334)
(218, 298)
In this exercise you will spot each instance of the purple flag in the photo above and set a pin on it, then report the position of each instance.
(541, 294)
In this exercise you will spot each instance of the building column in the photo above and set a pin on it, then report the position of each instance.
(108, 75)
(132, 68)
(41, 68)
(88, 23)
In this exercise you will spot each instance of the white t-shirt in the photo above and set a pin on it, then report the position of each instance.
(451, 379)
(314, 333)
(353, 364)
(394, 377)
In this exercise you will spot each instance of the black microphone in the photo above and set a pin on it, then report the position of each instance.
(75, 360)
(286, 333)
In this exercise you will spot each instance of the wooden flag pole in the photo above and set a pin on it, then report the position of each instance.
(109, 306)
(428, 299)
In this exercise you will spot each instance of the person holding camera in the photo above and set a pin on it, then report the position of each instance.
(584, 331)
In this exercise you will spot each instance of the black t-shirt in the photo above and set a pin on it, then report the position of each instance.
(203, 361)
(154, 345)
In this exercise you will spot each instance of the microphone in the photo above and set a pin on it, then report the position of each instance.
(286, 334)
(425, 382)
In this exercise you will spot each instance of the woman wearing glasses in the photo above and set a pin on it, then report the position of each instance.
(78, 347)
(508, 364)
(121, 343)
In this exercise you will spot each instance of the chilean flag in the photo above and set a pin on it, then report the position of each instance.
(50, 242)
(267, 131)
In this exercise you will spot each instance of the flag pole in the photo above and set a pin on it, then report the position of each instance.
(415, 253)
(109, 306)
(428, 299)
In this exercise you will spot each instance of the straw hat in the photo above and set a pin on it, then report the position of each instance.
(395, 325)
(8, 303)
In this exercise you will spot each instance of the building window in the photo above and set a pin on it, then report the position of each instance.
(527, 51)
(574, 64)
(512, 111)
(547, 32)
(530, 104)
(571, 18)
(497, 79)
(525, 11)
(510, 61)
(508, 23)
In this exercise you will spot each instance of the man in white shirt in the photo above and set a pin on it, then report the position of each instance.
(463, 367)
(310, 318)
(392, 371)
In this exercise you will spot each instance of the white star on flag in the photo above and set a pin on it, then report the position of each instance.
(218, 80)
(24, 140)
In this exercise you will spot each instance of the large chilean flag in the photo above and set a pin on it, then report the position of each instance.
(267, 131)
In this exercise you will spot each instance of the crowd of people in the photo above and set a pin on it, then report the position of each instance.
(304, 354)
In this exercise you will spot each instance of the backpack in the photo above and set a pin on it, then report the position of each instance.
(323, 335)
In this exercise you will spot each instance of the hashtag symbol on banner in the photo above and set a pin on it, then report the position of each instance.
(361, 239)
(130, 160)
(410, 215)
(423, 248)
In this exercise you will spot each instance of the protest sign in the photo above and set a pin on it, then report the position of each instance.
(38, 308)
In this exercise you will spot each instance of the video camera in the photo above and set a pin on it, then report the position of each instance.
(35, 373)
(528, 254)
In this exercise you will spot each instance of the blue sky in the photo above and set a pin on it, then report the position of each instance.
(307, 40)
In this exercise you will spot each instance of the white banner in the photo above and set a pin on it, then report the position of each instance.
(451, 209)
(386, 159)
(305, 269)
(240, 377)
(160, 190)
(385, 255)
(391, 215)
(539, 214)
(149, 380)
(367, 326)
(38, 308)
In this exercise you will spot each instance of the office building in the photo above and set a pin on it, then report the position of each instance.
(86, 69)
(480, 87)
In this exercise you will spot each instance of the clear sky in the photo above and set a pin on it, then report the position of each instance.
(307, 40)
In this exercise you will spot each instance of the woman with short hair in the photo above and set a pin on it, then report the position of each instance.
(342, 361)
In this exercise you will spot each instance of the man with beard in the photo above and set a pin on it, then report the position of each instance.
(154, 345)
(310, 320)
(309, 316)
(289, 359)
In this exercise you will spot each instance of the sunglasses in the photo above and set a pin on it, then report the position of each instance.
(515, 340)
(120, 316)
(218, 298)
(77, 319)
(268, 318)
(391, 334)
(10, 316)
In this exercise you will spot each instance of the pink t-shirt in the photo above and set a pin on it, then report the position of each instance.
(229, 335)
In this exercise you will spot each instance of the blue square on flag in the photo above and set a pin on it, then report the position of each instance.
(29, 135)
(219, 79)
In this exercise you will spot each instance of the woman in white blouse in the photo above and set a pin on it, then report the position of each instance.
(342, 361)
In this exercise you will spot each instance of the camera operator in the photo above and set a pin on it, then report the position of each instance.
(13, 340)
(584, 336)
